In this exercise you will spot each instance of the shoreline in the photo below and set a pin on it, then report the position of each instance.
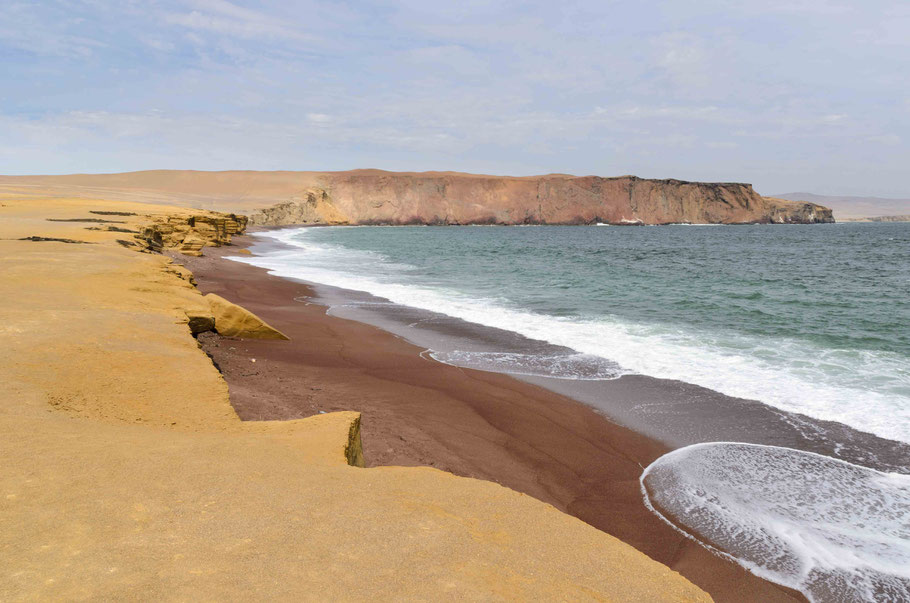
(675, 411)
(472, 423)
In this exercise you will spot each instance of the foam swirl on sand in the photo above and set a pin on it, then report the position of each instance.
(585, 367)
(833, 530)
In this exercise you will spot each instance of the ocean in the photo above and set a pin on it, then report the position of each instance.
(810, 321)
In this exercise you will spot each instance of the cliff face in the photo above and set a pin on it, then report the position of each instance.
(375, 197)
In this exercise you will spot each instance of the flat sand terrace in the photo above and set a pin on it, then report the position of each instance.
(126, 473)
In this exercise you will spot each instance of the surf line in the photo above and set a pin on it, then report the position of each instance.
(746, 498)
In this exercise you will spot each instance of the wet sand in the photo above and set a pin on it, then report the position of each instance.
(417, 411)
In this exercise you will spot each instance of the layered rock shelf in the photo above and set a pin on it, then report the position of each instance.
(188, 234)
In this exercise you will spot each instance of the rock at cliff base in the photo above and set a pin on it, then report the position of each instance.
(233, 321)
(200, 321)
(192, 244)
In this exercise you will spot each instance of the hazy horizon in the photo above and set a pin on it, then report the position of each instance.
(805, 95)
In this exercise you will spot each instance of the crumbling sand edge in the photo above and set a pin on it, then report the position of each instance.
(141, 482)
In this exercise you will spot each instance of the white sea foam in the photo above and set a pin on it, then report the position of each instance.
(833, 530)
(583, 367)
(866, 390)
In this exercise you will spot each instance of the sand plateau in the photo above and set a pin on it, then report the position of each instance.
(126, 474)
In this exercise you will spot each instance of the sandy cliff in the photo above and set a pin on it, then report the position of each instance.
(379, 197)
(127, 475)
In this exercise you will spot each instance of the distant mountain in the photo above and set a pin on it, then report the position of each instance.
(854, 207)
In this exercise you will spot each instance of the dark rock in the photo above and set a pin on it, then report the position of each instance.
(94, 220)
(53, 239)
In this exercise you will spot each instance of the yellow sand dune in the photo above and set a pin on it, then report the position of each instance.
(125, 473)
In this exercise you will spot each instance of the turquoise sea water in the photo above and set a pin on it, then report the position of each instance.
(812, 319)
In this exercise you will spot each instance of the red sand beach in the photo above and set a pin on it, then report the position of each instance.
(417, 411)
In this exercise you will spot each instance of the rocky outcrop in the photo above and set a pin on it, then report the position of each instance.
(232, 320)
(377, 197)
(188, 234)
(199, 321)
(353, 449)
(798, 212)
(313, 207)
(36, 239)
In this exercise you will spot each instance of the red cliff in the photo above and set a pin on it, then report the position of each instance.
(377, 197)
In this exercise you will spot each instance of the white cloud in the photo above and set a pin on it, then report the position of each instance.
(706, 113)
(821, 8)
(222, 17)
(687, 62)
(318, 118)
(833, 118)
(26, 27)
(159, 44)
(722, 145)
(450, 57)
(886, 139)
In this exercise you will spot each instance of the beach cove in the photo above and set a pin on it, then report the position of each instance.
(433, 301)
(428, 389)
(677, 414)
(474, 423)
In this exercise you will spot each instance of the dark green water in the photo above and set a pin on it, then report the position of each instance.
(812, 319)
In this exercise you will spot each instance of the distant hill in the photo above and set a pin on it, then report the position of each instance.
(898, 218)
(854, 207)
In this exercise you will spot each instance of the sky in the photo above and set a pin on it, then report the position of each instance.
(789, 95)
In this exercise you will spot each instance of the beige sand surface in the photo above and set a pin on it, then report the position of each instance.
(126, 474)
(231, 191)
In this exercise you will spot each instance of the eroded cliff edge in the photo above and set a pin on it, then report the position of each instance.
(128, 476)
(377, 197)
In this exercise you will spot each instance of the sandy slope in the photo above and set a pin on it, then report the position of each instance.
(127, 475)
